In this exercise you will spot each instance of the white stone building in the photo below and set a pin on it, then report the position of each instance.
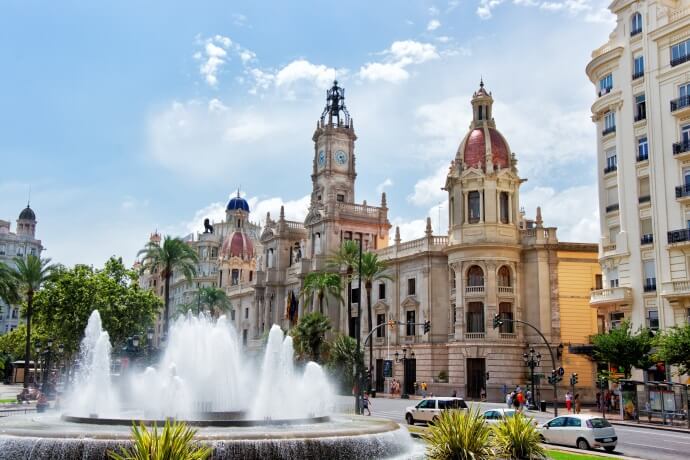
(21, 243)
(642, 114)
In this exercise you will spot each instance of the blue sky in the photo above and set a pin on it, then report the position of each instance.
(128, 117)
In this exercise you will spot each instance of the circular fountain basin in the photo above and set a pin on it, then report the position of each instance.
(217, 419)
(49, 436)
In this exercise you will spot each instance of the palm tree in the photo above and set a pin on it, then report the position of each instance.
(215, 300)
(346, 256)
(29, 274)
(371, 269)
(9, 292)
(174, 254)
(310, 334)
(321, 285)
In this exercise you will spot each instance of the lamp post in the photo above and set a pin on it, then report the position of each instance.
(403, 360)
(532, 360)
(45, 375)
(358, 330)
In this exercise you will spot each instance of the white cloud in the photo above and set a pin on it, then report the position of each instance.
(302, 69)
(213, 57)
(383, 185)
(593, 10)
(485, 7)
(433, 11)
(239, 19)
(401, 54)
(433, 25)
(427, 190)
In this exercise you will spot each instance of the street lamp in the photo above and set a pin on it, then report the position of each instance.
(532, 360)
(46, 377)
(403, 360)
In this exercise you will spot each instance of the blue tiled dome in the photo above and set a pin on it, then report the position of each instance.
(27, 214)
(238, 203)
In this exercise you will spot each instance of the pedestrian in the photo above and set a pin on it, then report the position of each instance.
(516, 401)
(423, 389)
(455, 393)
(521, 400)
(482, 394)
(366, 404)
(528, 398)
(416, 387)
(578, 403)
(568, 401)
(648, 410)
(509, 400)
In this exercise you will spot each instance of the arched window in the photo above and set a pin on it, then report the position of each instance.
(504, 277)
(505, 311)
(505, 208)
(635, 24)
(473, 205)
(475, 276)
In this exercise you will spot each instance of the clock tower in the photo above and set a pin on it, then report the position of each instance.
(333, 176)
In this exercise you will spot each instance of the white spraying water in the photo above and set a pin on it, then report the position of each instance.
(203, 370)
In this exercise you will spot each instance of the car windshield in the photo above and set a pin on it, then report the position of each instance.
(599, 423)
(508, 413)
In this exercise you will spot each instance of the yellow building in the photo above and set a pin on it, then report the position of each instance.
(578, 274)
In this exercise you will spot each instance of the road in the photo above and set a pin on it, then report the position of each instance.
(632, 441)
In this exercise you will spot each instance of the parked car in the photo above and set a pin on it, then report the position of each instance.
(494, 416)
(582, 431)
(428, 409)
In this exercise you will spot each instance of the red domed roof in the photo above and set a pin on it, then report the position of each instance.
(474, 154)
(238, 245)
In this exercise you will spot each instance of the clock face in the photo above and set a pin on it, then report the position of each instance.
(322, 158)
(341, 157)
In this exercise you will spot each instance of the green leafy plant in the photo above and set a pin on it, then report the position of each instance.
(517, 438)
(310, 335)
(624, 348)
(175, 442)
(321, 285)
(673, 347)
(459, 435)
(342, 358)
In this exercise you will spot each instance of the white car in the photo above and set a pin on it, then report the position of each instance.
(582, 431)
(427, 410)
(494, 416)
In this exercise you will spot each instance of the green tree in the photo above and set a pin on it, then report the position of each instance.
(321, 285)
(673, 347)
(371, 269)
(624, 348)
(347, 257)
(342, 358)
(173, 255)
(310, 334)
(215, 300)
(13, 343)
(9, 291)
(64, 305)
(30, 274)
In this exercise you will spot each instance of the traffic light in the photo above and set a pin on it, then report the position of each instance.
(427, 326)
(573, 379)
(391, 324)
(497, 320)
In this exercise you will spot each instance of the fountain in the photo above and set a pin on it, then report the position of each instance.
(243, 409)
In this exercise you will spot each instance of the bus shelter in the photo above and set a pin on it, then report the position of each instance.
(655, 402)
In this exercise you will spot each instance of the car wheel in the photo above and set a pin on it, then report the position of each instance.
(609, 448)
(434, 420)
(582, 444)
(542, 438)
(410, 419)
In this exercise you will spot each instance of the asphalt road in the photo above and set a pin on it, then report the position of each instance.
(638, 442)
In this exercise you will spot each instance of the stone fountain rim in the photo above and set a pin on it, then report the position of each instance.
(194, 422)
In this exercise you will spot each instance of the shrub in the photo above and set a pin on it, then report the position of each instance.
(517, 438)
(459, 435)
(174, 443)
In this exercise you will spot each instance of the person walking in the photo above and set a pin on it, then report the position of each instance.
(509, 399)
(366, 404)
(423, 389)
(568, 401)
(578, 403)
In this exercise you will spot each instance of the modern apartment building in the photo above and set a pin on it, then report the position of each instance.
(642, 114)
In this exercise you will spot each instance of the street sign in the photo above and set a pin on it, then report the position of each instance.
(388, 368)
(561, 371)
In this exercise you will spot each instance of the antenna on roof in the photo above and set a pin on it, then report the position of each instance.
(28, 201)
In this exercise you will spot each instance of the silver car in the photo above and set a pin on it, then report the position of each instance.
(428, 409)
(582, 431)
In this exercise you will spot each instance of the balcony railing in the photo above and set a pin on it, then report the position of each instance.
(508, 335)
(635, 32)
(647, 239)
(650, 285)
(637, 75)
(683, 191)
(505, 289)
(683, 101)
(680, 147)
(639, 116)
(644, 199)
(679, 60)
(605, 91)
(678, 236)
(610, 168)
(612, 207)
(643, 157)
(474, 290)
(474, 335)
(609, 130)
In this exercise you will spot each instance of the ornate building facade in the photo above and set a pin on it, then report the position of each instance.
(20, 243)
(493, 260)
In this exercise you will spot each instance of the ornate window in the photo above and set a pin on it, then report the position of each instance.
(635, 24)
(503, 201)
(475, 317)
(473, 206)
(505, 311)
(504, 277)
(452, 279)
(475, 276)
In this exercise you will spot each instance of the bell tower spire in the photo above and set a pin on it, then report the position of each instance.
(333, 174)
(482, 105)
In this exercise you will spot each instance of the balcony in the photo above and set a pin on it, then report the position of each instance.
(508, 335)
(610, 168)
(616, 296)
(471, 291)
(605, 91)
(503, 290)
(609, 130)
(637, 75)
(683, 192)
(681, 149)
(676, 290)
(680, 106)
(635, 32)
(679, 236)
(650, 285)
(680, 60)
(612, 207)
(640, 115)
(647, 239)
(475, 335)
